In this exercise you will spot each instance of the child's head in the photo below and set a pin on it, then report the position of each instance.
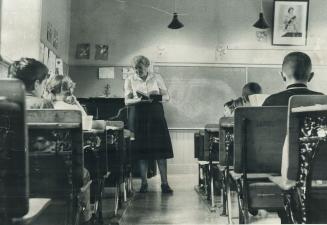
(32, 73)
(297, 68)
(250, 89)
(60, 86)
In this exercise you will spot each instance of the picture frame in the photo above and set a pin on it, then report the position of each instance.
(83, 51)
(101, 52)
(290, 22)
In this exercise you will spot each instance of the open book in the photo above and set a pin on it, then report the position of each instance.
(257, 99)
(151, 95)
(142, 95)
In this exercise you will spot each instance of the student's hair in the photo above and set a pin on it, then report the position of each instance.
(60, 85)
(297, 65)
(233, 104)
(140, 59)
(28, 70)
(251, 89)
(229, 104)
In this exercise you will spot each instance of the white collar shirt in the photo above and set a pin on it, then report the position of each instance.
(153, 84)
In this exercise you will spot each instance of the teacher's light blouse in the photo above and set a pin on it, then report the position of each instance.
(153, 84)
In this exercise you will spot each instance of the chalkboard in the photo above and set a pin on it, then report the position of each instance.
(269, 79)
(199, 93)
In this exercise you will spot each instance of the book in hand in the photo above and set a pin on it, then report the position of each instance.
(142, 95)
(152, 96)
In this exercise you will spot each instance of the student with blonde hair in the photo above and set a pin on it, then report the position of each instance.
(61, 90)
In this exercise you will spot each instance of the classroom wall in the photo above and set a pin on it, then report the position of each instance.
(20, 36)
(88, 84)
(132, 27)
(57, 13)
(216, 33)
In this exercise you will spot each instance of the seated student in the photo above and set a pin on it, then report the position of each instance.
(61, 90)
(230, 106)
(296, 73)
(34, 75)
(250, 89)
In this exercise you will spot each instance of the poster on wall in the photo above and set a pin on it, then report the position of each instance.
(45, 55)
(290, 22)
(101, 52)
(55, 39)
(83, 51)
(127, 71)
(52, 63)
(41, 53)
(49, 32)
(107, 73)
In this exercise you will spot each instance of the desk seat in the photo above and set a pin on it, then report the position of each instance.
(202, 163)
(36, 207)
(265, 195)
(252, 176)
(222, 168)
(288, 184)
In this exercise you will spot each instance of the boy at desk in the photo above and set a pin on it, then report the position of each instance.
(296, 73)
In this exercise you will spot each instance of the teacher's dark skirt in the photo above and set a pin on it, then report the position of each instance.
(152, 140)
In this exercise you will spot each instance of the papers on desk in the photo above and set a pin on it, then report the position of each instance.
(87, 122)
(257, 99)
(310, 108)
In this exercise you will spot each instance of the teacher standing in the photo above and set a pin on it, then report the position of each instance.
(147, 120)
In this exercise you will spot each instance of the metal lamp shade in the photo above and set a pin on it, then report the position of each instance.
(261, 23)
(175, 23)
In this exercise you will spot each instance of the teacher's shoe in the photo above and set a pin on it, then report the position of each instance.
(144, 188)
(166, 189)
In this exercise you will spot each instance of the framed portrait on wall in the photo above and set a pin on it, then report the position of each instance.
(290, 22)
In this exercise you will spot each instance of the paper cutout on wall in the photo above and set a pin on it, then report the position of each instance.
(83, 51)
(106, 73)
(55, 42)
(49, 32)
(101, 52)
(52, 63)
(41, 53)
(59, 66)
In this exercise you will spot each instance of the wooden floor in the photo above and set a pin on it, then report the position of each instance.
(185, 206)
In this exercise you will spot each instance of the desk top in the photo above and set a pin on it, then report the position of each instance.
(310, 108)
(36, 206)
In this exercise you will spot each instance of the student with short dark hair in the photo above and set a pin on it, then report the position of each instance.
(250, 88)
(296, 73)
(34, 75)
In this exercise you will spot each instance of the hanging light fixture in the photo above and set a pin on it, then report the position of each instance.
(175, 23)
(261, 23)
